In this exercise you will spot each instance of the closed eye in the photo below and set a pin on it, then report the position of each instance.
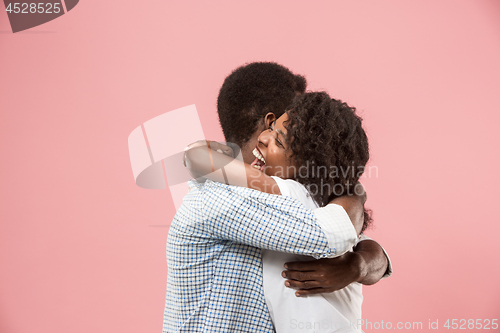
(279, 144)
(277, 141)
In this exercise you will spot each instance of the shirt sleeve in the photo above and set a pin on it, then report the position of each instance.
(274, 222)
(388, 271)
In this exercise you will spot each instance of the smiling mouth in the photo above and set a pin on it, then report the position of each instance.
(260, 162)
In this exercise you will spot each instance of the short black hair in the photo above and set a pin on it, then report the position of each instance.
(250, 92)
(327, 138)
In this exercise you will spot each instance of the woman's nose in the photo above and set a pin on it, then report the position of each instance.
(264, 138)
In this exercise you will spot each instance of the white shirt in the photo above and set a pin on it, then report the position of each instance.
(330, 312)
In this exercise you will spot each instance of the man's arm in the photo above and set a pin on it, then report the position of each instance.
(375, 261)
(277, 223)
(367, 265)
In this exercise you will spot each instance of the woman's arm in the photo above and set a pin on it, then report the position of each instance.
(208, 161)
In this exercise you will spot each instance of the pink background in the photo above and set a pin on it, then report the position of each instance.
(82, 248)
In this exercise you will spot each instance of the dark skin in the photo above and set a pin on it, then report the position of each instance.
(366, 264)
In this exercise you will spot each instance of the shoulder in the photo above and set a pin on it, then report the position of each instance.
(219, 194)
(293, 189)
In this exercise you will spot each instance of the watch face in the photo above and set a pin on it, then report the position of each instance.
(28, 14)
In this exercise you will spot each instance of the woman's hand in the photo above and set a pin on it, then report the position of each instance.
(221, 148)
(214, 145)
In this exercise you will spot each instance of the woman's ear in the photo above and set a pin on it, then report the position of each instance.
(269, 119)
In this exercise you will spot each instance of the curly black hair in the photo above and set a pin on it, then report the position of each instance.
(327, 139)
(250, 92)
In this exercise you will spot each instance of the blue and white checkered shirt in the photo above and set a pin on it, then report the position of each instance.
(214, 261)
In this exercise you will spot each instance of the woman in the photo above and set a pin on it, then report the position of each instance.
(314, 153)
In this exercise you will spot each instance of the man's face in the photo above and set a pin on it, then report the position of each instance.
(249, 146)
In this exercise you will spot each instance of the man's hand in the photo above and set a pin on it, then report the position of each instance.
(324, 275)
(366, 265)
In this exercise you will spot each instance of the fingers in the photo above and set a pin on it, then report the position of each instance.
(228, 151)
(303, 265)
(305, 288)
(221, 148)
(234, 147)
(303, 285)
(302, 293)
(198, 143)
(302, 276)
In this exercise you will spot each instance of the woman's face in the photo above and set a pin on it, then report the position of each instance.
(273, 153)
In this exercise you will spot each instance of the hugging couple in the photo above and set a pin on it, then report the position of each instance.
(269, 237)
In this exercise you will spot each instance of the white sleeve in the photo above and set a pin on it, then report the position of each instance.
(337, 227)
(332, 219)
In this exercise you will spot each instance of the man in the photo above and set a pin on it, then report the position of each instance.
(215, 269)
